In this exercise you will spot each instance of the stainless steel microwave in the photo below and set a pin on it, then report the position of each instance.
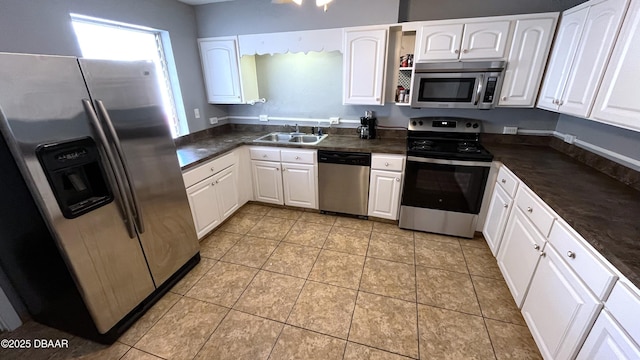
(460, 85)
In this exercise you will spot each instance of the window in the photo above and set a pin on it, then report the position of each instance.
(109, 40)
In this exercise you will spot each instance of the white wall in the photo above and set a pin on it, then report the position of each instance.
(44, 27)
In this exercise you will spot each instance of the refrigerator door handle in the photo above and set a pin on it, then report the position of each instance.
(116, 142)
(111, 160)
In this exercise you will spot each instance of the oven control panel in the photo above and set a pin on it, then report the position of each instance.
(442, 124)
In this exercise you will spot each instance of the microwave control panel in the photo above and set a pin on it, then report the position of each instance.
(490, 90)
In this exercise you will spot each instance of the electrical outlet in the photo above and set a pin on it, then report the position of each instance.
(334, 120)
(512, 130)
(569, 139)
(213, 120)
(196, 113)
(263, 117)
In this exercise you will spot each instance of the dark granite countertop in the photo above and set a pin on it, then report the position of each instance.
(197, 151)
(601, 209)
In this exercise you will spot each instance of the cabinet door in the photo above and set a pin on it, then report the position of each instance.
(562, 55)
(220, 65)
(384, 194)
(364, 65)
(519, 254)
(596, 43)
(226, 185)
(487, 40)
(438, 42)
(204, 206)
(497, 215)
(527, 58)
(299, 181)
(617, 102)
(267, 182)
(607, 340)
(559, 309)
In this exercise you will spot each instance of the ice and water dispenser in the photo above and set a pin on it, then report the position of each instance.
(75, 174)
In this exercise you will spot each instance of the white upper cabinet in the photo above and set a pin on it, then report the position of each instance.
(582, 69)
(477, 40)
(617, 102)
(438, 42)
(527, 58)
(484, 40)
(227, 78)
(364, 55)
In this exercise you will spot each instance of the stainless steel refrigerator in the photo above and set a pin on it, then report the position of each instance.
(95, 225)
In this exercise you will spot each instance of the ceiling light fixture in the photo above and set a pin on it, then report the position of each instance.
(319, 3)
(324, 3)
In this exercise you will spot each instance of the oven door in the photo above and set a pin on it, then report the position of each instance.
(447, 90)
(449, 185)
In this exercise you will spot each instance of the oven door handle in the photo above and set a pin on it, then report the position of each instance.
(449, 162)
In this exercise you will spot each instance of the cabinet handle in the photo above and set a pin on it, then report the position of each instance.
(212, 169)
(571, 254)
(504, 98)
(529, 209)
(465, 51)
(386, 164)
(505, 205)
(456, 51)
(377, 99)
(217, 181)
(398, 179)
(504, 181)
(297, 157)
(543, 254)
(560, 102)
(264, 156)
(284, 169)
(536, 247)
(213, 184)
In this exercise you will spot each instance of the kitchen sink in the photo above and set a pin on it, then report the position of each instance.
(278, 137)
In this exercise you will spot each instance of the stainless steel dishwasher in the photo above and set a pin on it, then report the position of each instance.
(343, 182)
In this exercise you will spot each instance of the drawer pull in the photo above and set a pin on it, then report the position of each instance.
(543, 254)
(212, 169)
(505, 205)
(297, 157)
(386, 164)
(529, 209)
(398, 179)
(504, 181)
(571, 254)
(536, 247)
(264, 156)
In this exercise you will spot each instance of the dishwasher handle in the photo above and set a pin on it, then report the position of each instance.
(345, 158)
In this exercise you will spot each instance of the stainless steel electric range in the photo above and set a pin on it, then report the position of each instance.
(446, 173)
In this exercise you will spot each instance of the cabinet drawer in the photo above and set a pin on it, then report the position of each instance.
(387, 162)
(535, 209)
(207, 169)
(573, 249)
(298, 156)
(265, 153)
(623, 304)
(508, 181)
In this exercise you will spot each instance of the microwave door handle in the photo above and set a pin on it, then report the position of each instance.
(93, 118)
(116, 142)
(479, 91)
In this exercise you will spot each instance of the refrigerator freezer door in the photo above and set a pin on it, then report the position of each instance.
(41, 103)
(127, 98)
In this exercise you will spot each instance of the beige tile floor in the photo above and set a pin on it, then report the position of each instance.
(278, 283)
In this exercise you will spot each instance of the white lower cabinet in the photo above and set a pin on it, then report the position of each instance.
(608, 340)
(497, 216)
(299, 184)
(213, 199)
(384, 194)
(519, 254)
(289, 178)
(267, 182)
(559, 309)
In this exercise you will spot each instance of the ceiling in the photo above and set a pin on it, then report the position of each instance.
(201, 2)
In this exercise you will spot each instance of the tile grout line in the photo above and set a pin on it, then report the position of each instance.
(355, 304)
(415, 272)
(479, 305)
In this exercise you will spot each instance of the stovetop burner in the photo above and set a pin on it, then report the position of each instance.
(446, 138)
